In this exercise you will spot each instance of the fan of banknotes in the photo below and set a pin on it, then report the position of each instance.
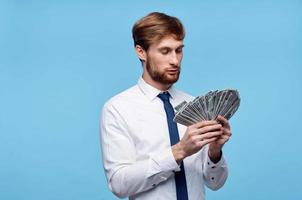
(208, 107)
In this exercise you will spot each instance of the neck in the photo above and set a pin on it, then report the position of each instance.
(157, 85)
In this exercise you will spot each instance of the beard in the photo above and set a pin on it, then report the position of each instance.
(162, 76)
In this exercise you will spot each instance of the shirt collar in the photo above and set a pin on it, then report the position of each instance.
(152, 92)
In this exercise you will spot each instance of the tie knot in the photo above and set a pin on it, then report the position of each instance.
(164, 96)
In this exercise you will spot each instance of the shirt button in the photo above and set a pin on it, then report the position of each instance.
(212, 178)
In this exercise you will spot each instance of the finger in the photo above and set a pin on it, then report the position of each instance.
(223, 139)
(226, 131)
(205, 123)
(216, 134)
(209, 128)
(206, 141)
(224, 121)
(208, 135)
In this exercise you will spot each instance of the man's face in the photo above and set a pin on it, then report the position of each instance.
(164, 59)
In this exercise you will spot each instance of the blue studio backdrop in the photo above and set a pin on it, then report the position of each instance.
(60, 61)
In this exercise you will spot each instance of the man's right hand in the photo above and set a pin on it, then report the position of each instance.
(196, 137)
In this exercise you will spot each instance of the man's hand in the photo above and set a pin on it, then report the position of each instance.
(196, 137)
(215, 147)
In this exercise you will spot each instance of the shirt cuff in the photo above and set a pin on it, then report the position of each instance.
(211, 166)
(163, 162)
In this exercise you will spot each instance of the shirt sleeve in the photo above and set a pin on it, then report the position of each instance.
(126, 175)
(215, 174)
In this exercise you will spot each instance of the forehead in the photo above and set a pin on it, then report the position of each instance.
(168, 42)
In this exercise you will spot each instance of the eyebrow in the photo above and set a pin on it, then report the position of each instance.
(180, 46)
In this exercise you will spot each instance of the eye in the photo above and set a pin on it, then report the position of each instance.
(179, 50)
(164, 51)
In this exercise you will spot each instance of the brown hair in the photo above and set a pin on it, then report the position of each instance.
(153, 27)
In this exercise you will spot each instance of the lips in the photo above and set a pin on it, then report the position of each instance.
(173, 71)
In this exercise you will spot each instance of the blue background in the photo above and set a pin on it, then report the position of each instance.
(61, 60)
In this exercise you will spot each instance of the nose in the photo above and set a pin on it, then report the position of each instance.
(174, 59)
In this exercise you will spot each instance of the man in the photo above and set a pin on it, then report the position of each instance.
(142, 155)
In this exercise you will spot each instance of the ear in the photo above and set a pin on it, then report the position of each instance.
(141, 53)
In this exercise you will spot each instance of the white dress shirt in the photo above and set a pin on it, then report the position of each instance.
(137, 154)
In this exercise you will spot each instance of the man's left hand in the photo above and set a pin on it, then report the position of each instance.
(215, 148)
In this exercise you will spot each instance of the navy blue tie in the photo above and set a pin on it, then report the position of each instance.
(180, 177)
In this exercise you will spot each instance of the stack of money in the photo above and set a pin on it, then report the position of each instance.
(208, 107)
